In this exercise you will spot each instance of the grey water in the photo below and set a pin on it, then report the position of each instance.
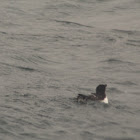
(52, 50)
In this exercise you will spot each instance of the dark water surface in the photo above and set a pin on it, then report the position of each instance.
(51, 50)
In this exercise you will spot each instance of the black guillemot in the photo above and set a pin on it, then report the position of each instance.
(100, 95)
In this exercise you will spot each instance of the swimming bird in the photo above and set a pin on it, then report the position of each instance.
(100, 95)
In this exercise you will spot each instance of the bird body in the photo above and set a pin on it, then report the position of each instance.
(100, 95)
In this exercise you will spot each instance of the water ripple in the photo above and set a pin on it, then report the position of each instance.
(73, 23)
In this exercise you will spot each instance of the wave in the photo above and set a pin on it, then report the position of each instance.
(72, 23)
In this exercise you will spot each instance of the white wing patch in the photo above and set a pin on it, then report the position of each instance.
(105, 100)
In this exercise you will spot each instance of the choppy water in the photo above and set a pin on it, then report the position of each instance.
(52, 50)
